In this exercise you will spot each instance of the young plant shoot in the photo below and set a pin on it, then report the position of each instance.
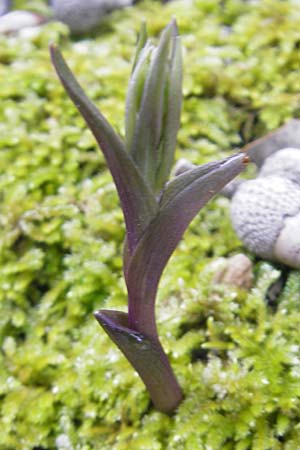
(156, 211)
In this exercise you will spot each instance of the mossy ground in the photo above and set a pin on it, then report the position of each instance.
(63, 384)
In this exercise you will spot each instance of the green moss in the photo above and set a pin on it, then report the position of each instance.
(62, 383)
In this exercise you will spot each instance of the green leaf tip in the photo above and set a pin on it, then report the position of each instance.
(153, 107)
(142, 39)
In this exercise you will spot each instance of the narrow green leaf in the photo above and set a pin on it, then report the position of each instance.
(142, 39)
(172, 120)
(138, 203)
(149, 123)
(135, 92)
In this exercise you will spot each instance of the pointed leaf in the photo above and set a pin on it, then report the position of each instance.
(146, 356)
(142, 39)
(138, 203)
(172, 120)
(135, 92)
(149, 123)
(183, 198)
(198, 185)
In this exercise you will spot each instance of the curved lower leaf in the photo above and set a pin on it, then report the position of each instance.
(183, 198)
(146, 356)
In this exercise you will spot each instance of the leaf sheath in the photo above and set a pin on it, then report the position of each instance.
(183, 198)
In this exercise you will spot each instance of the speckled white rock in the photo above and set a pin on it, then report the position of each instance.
(17, 20)
(287, 247)
(265, 215)
(285, 163)
(82, 16)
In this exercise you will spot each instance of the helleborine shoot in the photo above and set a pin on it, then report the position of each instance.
(156, 212)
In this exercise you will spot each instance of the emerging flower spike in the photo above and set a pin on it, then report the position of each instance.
(156, 212)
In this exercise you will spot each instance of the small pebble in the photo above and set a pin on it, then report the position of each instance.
(236, 271)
